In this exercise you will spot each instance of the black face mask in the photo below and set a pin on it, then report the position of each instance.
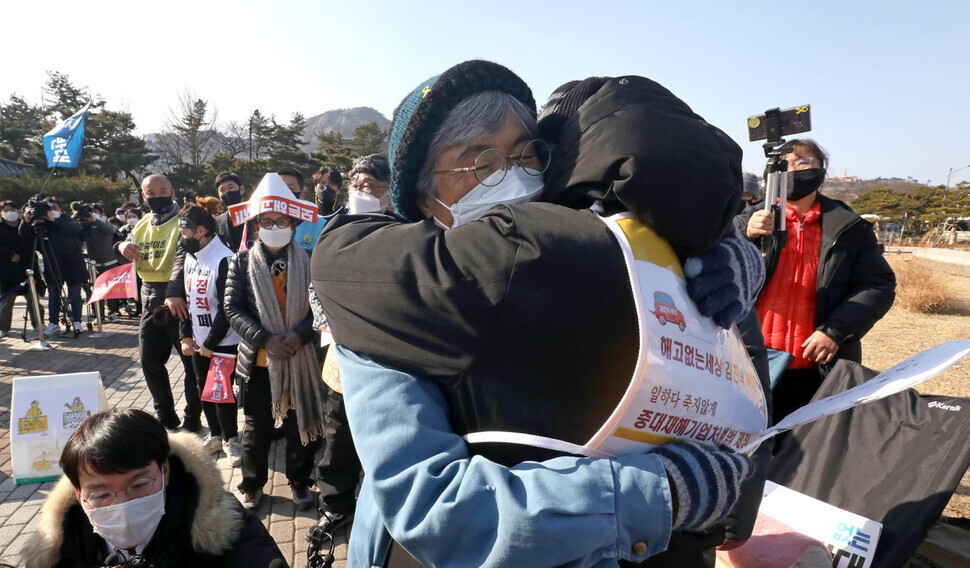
(327, 201)
(191, 245)
(804, 183)
(231, 197)
(159, 205)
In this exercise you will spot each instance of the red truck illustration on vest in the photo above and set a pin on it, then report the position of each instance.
(666, 311)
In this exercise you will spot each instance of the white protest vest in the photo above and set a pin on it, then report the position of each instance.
(693, 380)
(201, 292)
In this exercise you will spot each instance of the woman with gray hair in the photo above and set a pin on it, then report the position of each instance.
(519, 320)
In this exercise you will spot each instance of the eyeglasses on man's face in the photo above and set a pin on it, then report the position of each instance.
(282, 223)
(492, 164)
(370, 186)
(141, 487)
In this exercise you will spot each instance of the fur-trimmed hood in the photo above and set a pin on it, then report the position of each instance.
(216, 526)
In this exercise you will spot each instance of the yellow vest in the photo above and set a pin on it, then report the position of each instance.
(157, 248)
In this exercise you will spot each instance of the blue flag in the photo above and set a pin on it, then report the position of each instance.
(62, 144)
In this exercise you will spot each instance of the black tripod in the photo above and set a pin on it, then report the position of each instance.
(776, 190)
(52, 272)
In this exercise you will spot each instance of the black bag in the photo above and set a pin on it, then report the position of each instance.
(897, 460)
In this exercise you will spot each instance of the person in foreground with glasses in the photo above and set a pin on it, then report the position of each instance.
(267, 303)
(489, 312)
(132, 489)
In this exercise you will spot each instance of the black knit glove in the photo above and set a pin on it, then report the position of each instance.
(706, 481)
(724, 282)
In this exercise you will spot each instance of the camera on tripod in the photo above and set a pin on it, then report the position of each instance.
(770, 127)
(82, 211)
(37, 209)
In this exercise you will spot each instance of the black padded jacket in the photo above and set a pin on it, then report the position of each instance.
(240, 308)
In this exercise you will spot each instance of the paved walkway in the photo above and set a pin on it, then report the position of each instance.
(116, 358)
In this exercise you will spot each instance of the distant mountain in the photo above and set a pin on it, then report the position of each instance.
(343, 121)
(848, 189)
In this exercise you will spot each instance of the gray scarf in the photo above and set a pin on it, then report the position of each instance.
(294, 382)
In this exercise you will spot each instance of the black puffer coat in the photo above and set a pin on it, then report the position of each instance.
(856, 286)
(674, 170)
(240, 308)
(14, 241)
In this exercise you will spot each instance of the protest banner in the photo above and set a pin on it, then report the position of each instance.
(693, 380)
(272, 195)
(45, 410)
(218, 385)
(116, 283)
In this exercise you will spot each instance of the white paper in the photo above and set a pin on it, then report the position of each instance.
(911, 372)
(850, 538)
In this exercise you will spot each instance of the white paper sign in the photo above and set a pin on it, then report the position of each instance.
(693, 380)
(849, 537)
(45, 411)
(911, 372)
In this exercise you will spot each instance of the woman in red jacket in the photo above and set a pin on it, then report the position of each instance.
(830, 285)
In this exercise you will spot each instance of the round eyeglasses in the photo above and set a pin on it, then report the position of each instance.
(492, 164)
(282, 223)
(142, 487)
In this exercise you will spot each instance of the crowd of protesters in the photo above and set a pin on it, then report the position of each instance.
(57, 246)
(433, 329)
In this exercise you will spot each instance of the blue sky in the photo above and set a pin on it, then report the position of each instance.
(888, 81)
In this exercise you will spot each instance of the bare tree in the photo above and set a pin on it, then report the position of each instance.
(233, 140)
(189, 137)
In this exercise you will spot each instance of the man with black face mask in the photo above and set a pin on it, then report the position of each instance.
(326, 184)
(155, 247)
(231, 191)
(830, 282)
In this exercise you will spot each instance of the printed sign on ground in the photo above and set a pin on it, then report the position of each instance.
(45, 410)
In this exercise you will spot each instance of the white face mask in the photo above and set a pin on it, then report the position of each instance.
(276, 238)
(11, 216)
(359, 202)
(55, 214)
(132, 221)
(132, 523)
(516, 187)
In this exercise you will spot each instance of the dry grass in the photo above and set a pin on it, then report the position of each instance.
(902, 334)
(917, 291)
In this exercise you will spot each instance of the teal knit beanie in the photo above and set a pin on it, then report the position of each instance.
(420, 115)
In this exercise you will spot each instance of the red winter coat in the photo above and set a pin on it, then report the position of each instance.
(787, 303)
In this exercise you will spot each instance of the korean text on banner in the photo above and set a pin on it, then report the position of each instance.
(45, 410)
(117, 283)
(849, 537)
(694, 380)
(62, 144)
(218, 383)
